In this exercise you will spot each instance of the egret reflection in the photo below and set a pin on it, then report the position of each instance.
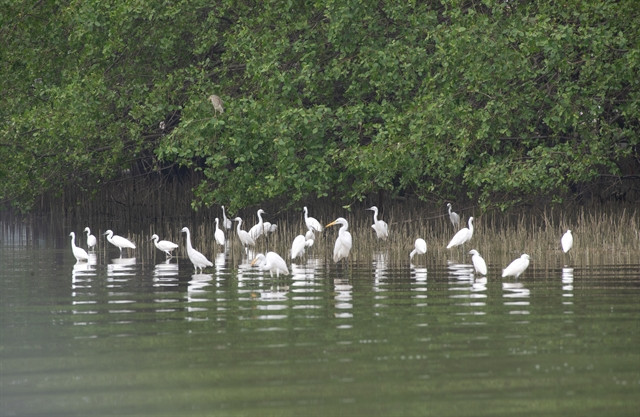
(517, 296)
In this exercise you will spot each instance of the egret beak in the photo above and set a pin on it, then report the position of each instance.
(331, 224)
(254, 262)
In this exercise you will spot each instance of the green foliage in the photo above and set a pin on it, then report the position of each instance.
(500, 102)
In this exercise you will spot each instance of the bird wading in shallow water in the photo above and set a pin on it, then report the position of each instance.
(464, 235)
(566, 241)
(479, 265)
(258, 229)
(80, 254)
(219, 234)
(164, 245)
(517, 267)
(198, 260)
(91, 239)
(271, 262)
(344, 241)
(119, 241)
(244, 236)
(311, 222)
(419, 248)
(380, 226)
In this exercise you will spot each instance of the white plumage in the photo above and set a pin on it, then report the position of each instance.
(344, 241)
(243, 235)
(516, 267)
(464, 235)
(479, 264)
(198, 260)
(272, 262)
(91, 239)
(79, 253)
(226, 222)
(311, 222)
(380, 226)
(119, 241)
(258, 229)
(164, 245)
(566, 241)
(419, 248)
(219, 234)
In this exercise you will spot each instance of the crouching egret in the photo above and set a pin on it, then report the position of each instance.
(119, 241)
(380, 226)
(344, 241)
(454, 217)
(479, 264)
(164, 245)
(420, 248)
(219, 234)
(566, 241)
(198, 260)
(79, 253)
(243, 235)
(464, 235)
(300, 243)
(91, 239)
(311, 222)
(271, 262)
(516, 267)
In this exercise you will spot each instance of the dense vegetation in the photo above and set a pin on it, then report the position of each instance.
(498, 102)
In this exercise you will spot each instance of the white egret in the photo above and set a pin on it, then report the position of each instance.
(380, 226)
(311, 222)
(269, 227)
(300, 243)
(217, 104)
(420, 248)
(219, 234)
(79, 253)
(309, 238)
(271, 262)
(258, 229)
(119, 241)
(344, 241)
(516, 267)
(566, 241)
(464, 235)
(198, 260)
(164, 245)
(479, 264)
(243, 235)
(226, 222)
(91, 239)
(454, 217)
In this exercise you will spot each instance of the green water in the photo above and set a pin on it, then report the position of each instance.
(140, 338)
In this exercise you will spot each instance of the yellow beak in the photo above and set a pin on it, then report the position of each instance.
(331, 224)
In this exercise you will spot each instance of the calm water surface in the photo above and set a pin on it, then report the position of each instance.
(121, 336)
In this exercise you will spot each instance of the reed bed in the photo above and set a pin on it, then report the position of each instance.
(603, 234)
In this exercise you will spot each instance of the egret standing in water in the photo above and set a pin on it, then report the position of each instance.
(479, 264)
(198, 260)
(91, 239)
(311, 222)
(300, 243)
(258, 229)
(244, 236)
(164, 245)
(219, 235)
(464, 235)
(380, 226)
(344, 241)
(226, 222)
(420, 248)
(454, 217)
(119, 241)
(80, 254)
(272, 262)
(516, 267)
(566, 241)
